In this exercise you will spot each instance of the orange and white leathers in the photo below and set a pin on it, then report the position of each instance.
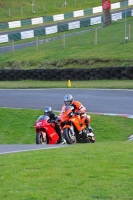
(78, 107)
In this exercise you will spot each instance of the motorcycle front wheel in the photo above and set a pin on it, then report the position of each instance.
(69, 136)
(40, 139)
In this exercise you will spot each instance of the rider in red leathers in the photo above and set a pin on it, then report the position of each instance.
(78, 108)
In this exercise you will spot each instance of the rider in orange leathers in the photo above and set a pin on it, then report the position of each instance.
(78, 108)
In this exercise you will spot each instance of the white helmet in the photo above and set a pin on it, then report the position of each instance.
(68, 99)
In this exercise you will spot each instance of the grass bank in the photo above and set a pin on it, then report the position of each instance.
(79, 50)
(17, 126)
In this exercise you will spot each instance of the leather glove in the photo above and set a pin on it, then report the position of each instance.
(71, 114)
(51, 121)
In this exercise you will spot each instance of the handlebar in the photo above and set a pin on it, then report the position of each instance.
(74, 114)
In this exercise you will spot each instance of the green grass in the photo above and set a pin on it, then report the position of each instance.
(83, 171)
(112, 84)
(99, 171)
(76, 172)
(42, 8)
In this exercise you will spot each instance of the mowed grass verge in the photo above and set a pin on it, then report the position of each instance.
(31, 84)
(83, 171)
(87, 171)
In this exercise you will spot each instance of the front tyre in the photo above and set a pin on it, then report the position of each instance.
(69, 136)
(40, 139)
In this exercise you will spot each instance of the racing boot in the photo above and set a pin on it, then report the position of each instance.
(61, 138)
(62, 141)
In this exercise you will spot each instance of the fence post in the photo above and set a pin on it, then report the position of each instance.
(64, 42)
(12, 46)
(37, 43)
(96, 36)
(44, 8)
(21, 10)
(32, 5)
(9, 12)
(129, 32)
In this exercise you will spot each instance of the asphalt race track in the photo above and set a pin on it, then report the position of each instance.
(15, 148)
(95, 100)
(117, 102)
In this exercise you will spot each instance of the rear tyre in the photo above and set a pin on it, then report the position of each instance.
(69, 137)
(81, 139)
(86, 138)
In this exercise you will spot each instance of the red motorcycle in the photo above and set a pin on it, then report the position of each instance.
(45, 131)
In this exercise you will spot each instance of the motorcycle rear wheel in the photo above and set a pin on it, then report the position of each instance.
(40, 140)
(70, 139)
(83, 140)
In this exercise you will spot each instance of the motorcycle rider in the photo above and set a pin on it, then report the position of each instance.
(54, 118)
(78, 108)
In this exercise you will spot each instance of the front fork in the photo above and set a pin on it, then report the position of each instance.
(72, 131)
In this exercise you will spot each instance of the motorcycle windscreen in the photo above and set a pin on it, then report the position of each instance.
(43, 117)
(65, 108)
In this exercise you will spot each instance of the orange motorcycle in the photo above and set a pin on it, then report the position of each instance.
(73, 126)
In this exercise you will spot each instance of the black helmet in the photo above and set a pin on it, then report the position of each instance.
(48, 111)
(68, 99)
